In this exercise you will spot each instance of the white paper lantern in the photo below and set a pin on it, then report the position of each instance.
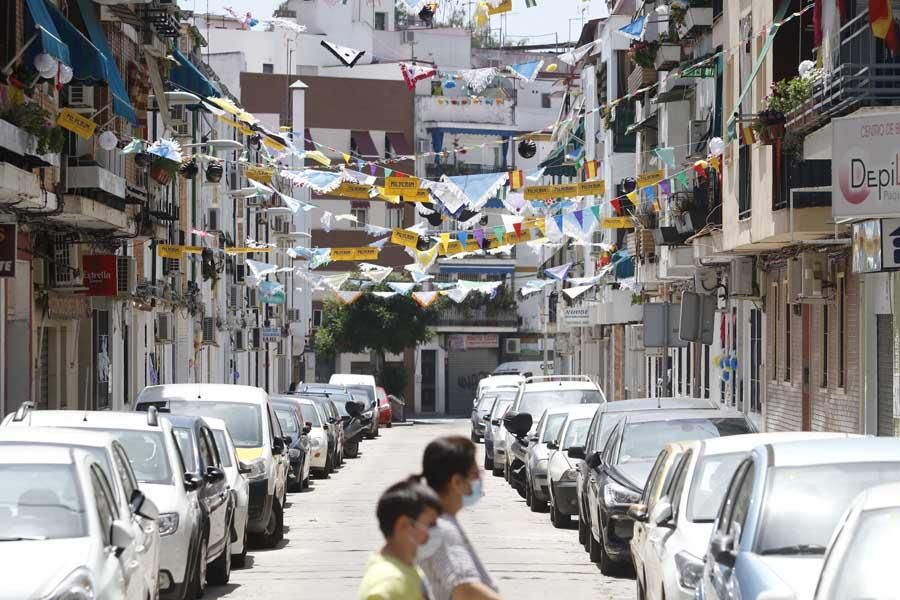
(108, 140)
(662, 10)
(716, 146)
(806, 67)
(45, 65)
(65, 73)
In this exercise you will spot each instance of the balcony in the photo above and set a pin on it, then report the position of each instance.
(450, 109)
(22, 146)
(640, 77)
(859, 72)
(483, 318)
(23, 189)
(95, 181)
(809, 180)
(87, 213)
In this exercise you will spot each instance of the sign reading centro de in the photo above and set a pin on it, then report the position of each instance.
(865, 166)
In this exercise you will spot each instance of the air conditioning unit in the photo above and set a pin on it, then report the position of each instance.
(81, 98)
(513, 346)
(698, 135)
(742, 279)
(126, 276)
(251, 298)
(209, 331)
(165, 328)
(255, 339)
(66, 267)
(809, 277)
(705, 279)
(294, 315)
(171, 266)
(239, 340)
(255, 201)
(234, 296)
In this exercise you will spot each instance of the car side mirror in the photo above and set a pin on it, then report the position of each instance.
(277, 446)
(143, 506)
(662, 513)
(518, 424)
(638, 512)
(307, 428)
(192, 481)
(495, 421)
(120, 536)
(244, 469)
(576, 452)
(533, 438)
(552, 445)
(594, 461)
(721, 547)
(214, 474)
(288, 440)
(325, 426)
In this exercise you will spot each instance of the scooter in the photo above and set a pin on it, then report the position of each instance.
(355, 426)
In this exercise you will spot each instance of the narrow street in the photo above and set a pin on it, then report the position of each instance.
(331, 529)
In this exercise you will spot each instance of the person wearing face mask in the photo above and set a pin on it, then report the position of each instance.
(452, 567)
(407, 512)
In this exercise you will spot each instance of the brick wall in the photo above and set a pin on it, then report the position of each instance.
(833, 407)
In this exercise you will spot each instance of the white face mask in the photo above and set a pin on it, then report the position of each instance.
(434, 542)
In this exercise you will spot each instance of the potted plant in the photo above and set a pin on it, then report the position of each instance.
(668, 56)
(34, 120)
(214, 172)
(785, 97)
(689, 16)
(162, 170)
(189, 168)
(643, 54)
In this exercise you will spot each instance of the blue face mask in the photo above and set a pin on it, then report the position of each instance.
(475, 495)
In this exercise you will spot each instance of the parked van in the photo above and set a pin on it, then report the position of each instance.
(525, 368)
(257, 437)
(361, 384)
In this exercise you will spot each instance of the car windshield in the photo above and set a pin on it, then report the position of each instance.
(341, 406)
(535, 403)
(243, 419)
(554, 424)
(500, 408)
(576, 433)
(40, 501)
(286, 418)
(710, 482)
(484, 405)
(310, 415)
(803, 504)
(222, 445)
(644, 440)
(147, 454)
(870, 557)
(186, 445)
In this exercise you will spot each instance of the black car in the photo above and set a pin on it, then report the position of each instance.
(205, 476)
(293, 425)
(617, 474)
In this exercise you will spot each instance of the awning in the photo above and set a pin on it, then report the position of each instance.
(364, 146)
(399, 145)
(308, 144)
(88, 63)
(645, 123)
(120, 100)
(188, 77)
(471, 269)
(555, 164)
(45, 29)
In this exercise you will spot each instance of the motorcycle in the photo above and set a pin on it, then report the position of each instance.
(355, 426)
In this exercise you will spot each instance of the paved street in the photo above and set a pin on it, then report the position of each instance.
(331, 529)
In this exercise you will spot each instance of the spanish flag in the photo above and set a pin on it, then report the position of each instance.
(880, 17)
(748, 135)
(516, 180)
(590, 170)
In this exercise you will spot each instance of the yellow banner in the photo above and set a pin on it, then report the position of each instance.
(420, 195)
(503, 7)
(403, 237)
(353, 190)
(76, 123)
(400, 186)
(365, 253)
(237, 125)
(342, 254)
(617, 223)
(592, 188)
(512, 238)
(175, 251)
(261, 174)
(565, 190)
(246, 250)
(650, 178)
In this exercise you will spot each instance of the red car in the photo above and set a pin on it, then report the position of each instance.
(385, 413)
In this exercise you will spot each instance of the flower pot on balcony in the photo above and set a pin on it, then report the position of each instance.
(162, 170)
(668, 56)
(770, 126)
(695, 19)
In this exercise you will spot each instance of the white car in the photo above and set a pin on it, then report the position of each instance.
(132, 506)
(562, 471)
(63, 535)
(159, 468)
(680, 502)
(495, 432)
(235, 475)
(318, 438)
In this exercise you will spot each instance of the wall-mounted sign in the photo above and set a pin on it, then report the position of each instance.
(577, 316)
(472, 341)
(99, 274)
(76, 123)
(270, 334)
(401, 186)
(66, 307)
(7, 250)
(865, 166)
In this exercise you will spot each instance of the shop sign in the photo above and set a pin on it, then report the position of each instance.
(8, 250)
(617, 223)
(473, 341)
(65, 307)
(577, 316)
(865, 167)
(270, 334)
(76, 123)
(99, 274)
(404, 237)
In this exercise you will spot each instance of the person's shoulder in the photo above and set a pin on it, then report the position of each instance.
(383, 580)
(449, 529)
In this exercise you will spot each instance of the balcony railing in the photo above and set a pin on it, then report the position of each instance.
(861, 73)
(462, 109)
(793, 173)
(483, 316)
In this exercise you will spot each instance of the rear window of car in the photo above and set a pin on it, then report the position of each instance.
(536, 402)
(286, 419)
(147, 454)
(644, 440)
(310, 415)
(500, 408)
(222, 444)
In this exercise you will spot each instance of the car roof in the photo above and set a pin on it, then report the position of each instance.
(834, 451)
(549, 386)
(582, 411)
(492, 381)
(203, 392)
(748, 441)
(642, 404)
(336, 387)
(56, 436)
(681, 414)
(28, 454)
(880, 496)
(92, 419)
(352, 379)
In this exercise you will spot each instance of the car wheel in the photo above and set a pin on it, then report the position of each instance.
(389, 424)
(474, 437)
(352, 449)
(640, 591)
(528, 498)
(329, 465)
(582, 531)
(607, 565)
(594, 548)
(275, 528)
(220, 570)
(240, 560)
(488, 463)
(537, 505)
(506, 471)
(559, 520)
(198, 587)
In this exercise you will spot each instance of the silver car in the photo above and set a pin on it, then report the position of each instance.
(562, 470)
(537, 455)
(495, 434)
(782, 505)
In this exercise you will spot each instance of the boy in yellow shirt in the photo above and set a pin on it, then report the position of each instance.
(407, 512)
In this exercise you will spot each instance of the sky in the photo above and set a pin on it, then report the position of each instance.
(541, 24)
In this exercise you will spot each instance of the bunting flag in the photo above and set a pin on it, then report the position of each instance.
(445, 241)
(666, 155)
(463, 237)
(574, 292)
(426, 258)
(457, 294)
(880, 17)
(374, 273)
(559, 272)
(385, 294)
(632, 197)
(579, 216)
(375, 230)
(664, 188)
(634, 30)
(516, 180)
(348, 297)
(414, 72)
(498, 8)
(478, 79)
(682, 180)
(401, 288)
(479, 237)
(596, 210)
(530, 3)
(748, 135)
(261, 269)
(590, 169)
(474, 190)
(348, 56)
(527, 71)
(335, 282)
(425, 299)
(499, 234)
(419, 276)
(271, 292)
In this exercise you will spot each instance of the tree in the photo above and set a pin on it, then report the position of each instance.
(377, 325)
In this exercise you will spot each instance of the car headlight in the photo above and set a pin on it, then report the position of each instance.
(616, 494)
(76, 586)
(168, 523)
(569, 475)
(690, 570)
(257, 469)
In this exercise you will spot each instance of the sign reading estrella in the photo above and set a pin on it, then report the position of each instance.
(865, 168)
(99, 274)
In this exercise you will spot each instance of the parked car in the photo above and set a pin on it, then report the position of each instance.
(780, 511)
(202, 462)
(497, 381)
(495, 432)
(62, 529)
(235, 475)
(385, 412)
(605, 419)
(159, 468)
(527, 368)
(562, 470)
(861, 558)
(537, 456)
(318, 436)
(133, 508)
(673, 520)
(364, 384)
(619, 472)
(333, 398)
(487, 386)
(480, 410)
(295, 430)
(257, 436)
(535, 395)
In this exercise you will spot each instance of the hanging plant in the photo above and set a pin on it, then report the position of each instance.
(143, 159)
(527, 148)
(189, 168)
(162, 170)
(36, 121)
(214, 172)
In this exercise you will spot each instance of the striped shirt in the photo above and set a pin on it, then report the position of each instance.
(454, 562)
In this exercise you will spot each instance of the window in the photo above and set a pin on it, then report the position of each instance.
(123, 470)
(742, 504)
(824, 349)
(787, 337)
(207, 454)
(655, 479)
(755, 360)
(546, 101)
(106, 509)
(705, 363)
(727, 508)
(362, 218)
(393, 217)
(676, 488)
(317, 317)
(268, 68)
(222, 447)
(380, 21)
(842, 332)
(775, 309)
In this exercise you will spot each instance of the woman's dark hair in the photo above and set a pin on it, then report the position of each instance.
(446, 457)
(407, 498)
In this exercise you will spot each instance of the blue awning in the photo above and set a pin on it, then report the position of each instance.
(188, 77)
(50, 40)
(88, 63)
(471, 269)
(120, 100)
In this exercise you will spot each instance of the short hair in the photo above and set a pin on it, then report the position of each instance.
(446, 457)
(407, 498)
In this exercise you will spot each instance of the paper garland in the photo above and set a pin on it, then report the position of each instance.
(425, 299)
(348, 56)
(413, 73)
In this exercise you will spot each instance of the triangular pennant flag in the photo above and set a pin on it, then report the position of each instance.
(651, 193)
(420, 276)
(413, 72)
(616, 204)
(426, 258)
(574, 292)
(596, 210)
(401, 288)
(479, 236)
(499, 234)
(635, 29)
(527, 71)
(665, 188)
(348, 297)
(517, 227)
(579, 216)
(559, 272)
(445, 241)
(348, 56)
(335, 282)
(376, 273)
(347, 158)
(463, 237)
(588, 220)
(425, 299)
(681, 179)
(457, 294)
(318, 156)
(666, 155)
(385, 294)
(559, 221)
(632, 197)
(388, 172)
(261, 269)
